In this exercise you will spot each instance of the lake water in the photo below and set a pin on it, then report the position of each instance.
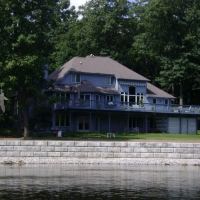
(99, 182)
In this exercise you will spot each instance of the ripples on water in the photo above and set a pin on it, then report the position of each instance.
(99, 182)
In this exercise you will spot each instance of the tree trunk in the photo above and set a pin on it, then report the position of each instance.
(26, 124)
(19, 124)
(181, 94)
(173, 89)
(19, 99)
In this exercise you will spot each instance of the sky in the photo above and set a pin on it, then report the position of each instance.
(78, 3)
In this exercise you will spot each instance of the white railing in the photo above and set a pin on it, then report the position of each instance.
(126, 106)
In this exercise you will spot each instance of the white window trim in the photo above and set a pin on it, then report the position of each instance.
(110, 97)
(75, 77)
(109, 80)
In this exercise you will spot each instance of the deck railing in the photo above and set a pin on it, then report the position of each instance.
(125, 106)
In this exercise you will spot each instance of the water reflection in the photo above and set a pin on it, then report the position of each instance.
(96, 182)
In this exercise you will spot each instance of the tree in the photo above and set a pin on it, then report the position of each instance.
(171, 34)
(63, 38)
(106, 28)
(26, 42)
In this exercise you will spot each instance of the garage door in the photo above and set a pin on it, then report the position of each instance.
(173, 125)
(192, 125)
(184, 125)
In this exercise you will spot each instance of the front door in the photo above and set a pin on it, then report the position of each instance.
(83, 124)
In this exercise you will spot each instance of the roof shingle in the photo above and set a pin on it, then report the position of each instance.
(96, 65)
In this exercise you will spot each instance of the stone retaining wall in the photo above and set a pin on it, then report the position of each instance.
(92, 152)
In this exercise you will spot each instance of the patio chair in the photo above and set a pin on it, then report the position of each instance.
(189, 110)
(135, 130)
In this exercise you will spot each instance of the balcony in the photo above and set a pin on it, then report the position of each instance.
(125, 106)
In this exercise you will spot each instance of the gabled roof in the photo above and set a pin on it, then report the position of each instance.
(96, 65)
(153, 91)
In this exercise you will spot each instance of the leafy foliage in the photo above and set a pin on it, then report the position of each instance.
(171, 34)
(26, 41)
(106, 28)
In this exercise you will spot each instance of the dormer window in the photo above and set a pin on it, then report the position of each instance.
(76, 78)
(110, 80)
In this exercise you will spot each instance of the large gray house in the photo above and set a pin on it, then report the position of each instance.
(98, 94)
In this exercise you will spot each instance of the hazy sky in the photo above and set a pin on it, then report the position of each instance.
(77, 3)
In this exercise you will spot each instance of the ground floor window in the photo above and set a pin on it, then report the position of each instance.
(83, 124)
(136, 122)
(61, 120)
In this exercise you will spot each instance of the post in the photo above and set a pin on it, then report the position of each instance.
(146, 118)
(109, 123)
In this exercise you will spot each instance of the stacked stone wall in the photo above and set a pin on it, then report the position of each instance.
(97, 152)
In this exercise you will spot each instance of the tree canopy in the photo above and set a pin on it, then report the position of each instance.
(171, 35)
(106, 28)
(26, 41)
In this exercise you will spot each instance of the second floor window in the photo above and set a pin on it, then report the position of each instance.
(109, 98)
(76, 78)
(110, 80)
(62, 96)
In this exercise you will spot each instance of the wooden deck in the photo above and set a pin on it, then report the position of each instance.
(130, 107)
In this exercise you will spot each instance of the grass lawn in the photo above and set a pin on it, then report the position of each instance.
(139, 136)
(103, 136)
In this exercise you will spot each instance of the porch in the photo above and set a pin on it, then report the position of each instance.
(128, 106)
(107, 121)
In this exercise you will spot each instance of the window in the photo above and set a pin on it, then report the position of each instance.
(97, 97)
(110, 80)
(85, 100)
(166, 101)
(61, 120)
(154, 101)
(63, 96)
(109, 98)
(83, 124)
(85, 97)
(76, 78)
(132, 98)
